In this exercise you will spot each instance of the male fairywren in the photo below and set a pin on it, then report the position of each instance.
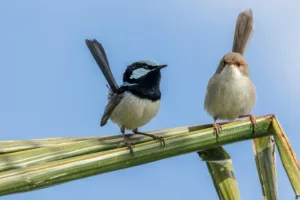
(137, 100)
(230, 92)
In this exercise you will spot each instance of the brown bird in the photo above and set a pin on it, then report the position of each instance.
(230, 92)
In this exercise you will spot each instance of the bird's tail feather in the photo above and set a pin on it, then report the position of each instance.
(243, 31)
(99, 55)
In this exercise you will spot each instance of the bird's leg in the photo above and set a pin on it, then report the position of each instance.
(128, 144)
(252, 119)
(217, 127)
(161, 139)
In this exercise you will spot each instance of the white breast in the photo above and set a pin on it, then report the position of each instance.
(230, 94)
(133, 112)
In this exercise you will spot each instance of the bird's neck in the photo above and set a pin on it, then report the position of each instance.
(144, 91)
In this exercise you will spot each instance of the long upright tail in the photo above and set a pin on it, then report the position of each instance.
(243, 31)
(99, 55)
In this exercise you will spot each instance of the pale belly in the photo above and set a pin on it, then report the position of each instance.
(228, 98)
(133, 112)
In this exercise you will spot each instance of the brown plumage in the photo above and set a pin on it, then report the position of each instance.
(230, 92)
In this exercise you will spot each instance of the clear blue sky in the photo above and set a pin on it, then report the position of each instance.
(51, 86)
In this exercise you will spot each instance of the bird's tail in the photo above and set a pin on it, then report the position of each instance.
(99, 55)
(243, 31)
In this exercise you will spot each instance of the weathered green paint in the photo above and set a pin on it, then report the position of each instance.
(287, 155)
(60, 171)
(59, 148)
(221, 171)
(22, 145)
(265, 163)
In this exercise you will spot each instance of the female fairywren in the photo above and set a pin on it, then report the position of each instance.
(137, 100)
(230, 92)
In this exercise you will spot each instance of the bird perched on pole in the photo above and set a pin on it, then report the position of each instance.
(137, 100)
(230, 92)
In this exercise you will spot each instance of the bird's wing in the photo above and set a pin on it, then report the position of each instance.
(243, 31)
(210, 90)
(99, 55)
(113, 102)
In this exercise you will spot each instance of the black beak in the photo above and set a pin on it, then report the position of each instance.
(159, 67)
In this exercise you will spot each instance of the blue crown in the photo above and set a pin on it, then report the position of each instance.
(148, 62)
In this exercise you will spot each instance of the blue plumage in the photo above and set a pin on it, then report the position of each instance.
(138, 73)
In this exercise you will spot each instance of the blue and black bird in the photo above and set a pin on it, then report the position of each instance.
(135, 102)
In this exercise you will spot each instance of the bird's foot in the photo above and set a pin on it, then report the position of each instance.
(129, 146)
(217, 128)
(253, 121)
(158, 138)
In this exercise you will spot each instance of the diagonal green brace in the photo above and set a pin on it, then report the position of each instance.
(287, 155)
(264, 152)
(221, 170)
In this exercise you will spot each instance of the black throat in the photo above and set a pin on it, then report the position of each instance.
(146, 89)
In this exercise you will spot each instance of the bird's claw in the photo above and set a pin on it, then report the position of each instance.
(160, 139)
(217, 128)
(253, 121)
(129, 146)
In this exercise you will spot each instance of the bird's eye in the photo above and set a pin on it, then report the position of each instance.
(238, 64)
(224, 62)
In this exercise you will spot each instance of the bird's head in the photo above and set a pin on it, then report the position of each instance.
(233, 64)
(143, 72)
